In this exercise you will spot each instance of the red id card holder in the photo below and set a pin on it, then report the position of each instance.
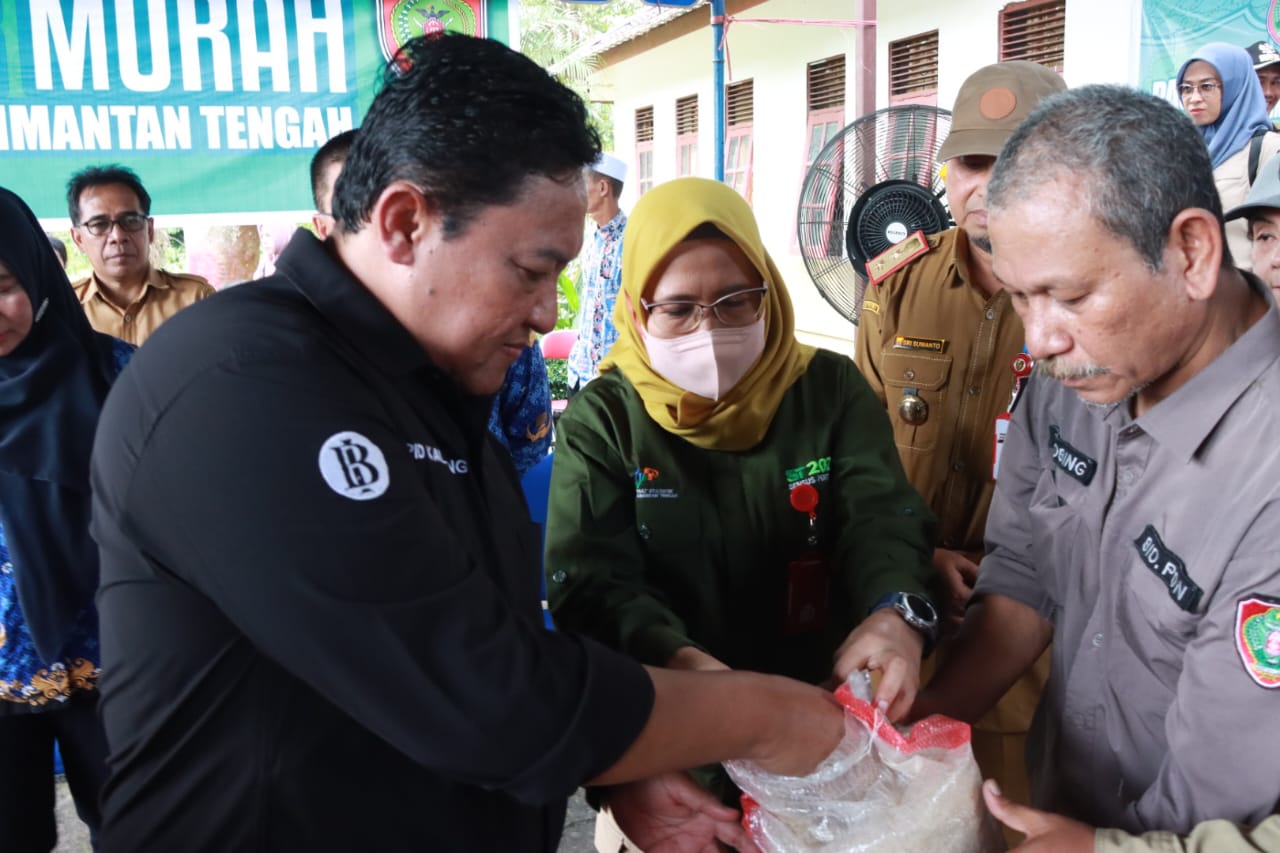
(808, 595)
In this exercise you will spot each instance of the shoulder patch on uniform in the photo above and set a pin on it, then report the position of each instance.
(353, 466)
(872, 306)
(1258, 638)
(897, 256)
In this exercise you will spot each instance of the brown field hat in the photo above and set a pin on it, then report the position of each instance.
(992, 102)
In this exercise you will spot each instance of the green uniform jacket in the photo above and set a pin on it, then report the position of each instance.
(654, 544)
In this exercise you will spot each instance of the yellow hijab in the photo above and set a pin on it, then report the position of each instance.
(662, 218)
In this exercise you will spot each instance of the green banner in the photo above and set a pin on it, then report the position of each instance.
(1173, 30)
(218, 105)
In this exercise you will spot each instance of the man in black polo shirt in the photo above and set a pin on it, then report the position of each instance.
(320, 598)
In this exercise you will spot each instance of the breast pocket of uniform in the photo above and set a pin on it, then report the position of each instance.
(1058, 535)
(667, 524)
(915, 389)
(1161, 589)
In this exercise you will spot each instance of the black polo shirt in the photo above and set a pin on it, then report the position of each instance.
(320, 595)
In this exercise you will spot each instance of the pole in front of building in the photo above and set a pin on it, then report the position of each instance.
(717, 66)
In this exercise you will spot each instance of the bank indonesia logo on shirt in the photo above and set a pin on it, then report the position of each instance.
(354, 466)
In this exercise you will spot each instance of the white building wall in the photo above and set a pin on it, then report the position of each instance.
(1101, 40)
(1101, 46)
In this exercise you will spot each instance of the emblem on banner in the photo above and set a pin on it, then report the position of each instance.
(1258, 639)
(403, 20)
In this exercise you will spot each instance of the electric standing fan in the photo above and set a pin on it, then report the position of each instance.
(874, 184)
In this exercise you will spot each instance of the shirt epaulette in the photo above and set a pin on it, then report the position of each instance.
(897, 256)
(186, 278)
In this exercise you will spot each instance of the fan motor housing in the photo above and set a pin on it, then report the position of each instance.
(887, 214)
(871, 186)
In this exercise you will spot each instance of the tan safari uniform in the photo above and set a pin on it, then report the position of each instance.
(924, 332)
(164, 295)
(1212, 836)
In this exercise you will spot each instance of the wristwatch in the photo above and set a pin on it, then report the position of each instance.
(917, 611)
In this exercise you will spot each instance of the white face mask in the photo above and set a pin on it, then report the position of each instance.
(707, 363)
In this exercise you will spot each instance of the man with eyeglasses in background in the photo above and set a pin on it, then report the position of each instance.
(125, 297)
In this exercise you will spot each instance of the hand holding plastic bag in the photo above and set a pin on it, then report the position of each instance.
(883, 790)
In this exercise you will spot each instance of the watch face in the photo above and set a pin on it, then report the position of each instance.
(920, 607)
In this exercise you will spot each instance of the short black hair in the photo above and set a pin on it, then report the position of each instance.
(615, 185)
(467, 121)
(97, 176)
(59, 248)
(333, 151)
(707, 231)
(1252, 218)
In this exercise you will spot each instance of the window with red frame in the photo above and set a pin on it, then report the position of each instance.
(913, 70)
(1034, 30)
(825, 86)
(739, 114)
(687, 135)
(913, 79)
(644, 150)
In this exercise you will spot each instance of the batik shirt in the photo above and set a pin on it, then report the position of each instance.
(521, 414)
(27, 682)
(601, 280)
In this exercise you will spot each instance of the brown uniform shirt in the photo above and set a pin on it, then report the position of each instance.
(1151, 545)
(948, 458)
(164, 295)
(931, 306)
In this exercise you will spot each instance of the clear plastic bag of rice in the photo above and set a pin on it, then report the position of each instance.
(884, 789)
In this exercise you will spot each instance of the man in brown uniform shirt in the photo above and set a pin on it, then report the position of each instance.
(125, 297)
(937, 341)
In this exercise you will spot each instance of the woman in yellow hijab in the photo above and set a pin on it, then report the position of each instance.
(723, 496)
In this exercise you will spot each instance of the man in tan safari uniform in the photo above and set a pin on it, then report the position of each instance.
(125, 296)
(940, 343)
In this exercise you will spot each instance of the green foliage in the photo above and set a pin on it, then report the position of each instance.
(77, 264)
(174, 245)
(558, 376)
(566, 301)
(551, 33)
(552, 30)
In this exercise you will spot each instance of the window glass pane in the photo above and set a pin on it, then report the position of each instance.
(815, 142)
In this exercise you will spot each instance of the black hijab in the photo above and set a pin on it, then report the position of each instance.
(51, 391)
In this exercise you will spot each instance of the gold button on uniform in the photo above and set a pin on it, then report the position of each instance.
(912, 408)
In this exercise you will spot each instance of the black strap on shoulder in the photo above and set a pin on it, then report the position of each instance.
(1255, 151)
